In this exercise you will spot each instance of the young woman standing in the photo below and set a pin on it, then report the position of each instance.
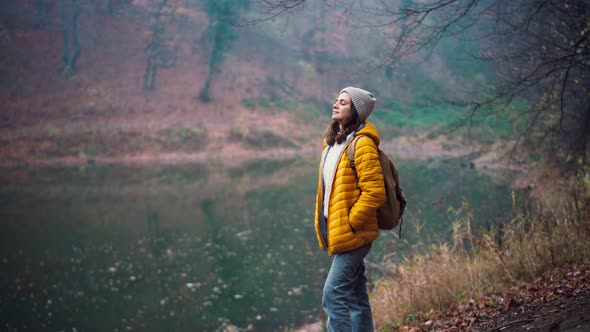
(345, 218)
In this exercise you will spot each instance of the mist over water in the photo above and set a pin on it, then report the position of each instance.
(191, 248)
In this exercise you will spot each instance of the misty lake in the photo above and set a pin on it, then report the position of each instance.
(193, 247)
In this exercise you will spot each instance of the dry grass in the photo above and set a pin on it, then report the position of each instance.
(554, 235)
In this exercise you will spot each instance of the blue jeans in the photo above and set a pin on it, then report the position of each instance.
(345, 299)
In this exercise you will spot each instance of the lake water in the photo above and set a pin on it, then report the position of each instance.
(192, 247)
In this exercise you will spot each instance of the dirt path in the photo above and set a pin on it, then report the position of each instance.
(559, 301)
(565, 314)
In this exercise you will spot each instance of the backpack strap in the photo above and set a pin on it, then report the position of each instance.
(350, 149)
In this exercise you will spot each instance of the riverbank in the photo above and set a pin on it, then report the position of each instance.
(181, 138)
(493, 281)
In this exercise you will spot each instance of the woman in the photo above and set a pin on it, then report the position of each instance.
(346, 219)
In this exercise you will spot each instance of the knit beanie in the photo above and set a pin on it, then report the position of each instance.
(363, 101)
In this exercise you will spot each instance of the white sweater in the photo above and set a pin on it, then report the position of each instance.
(330, 164)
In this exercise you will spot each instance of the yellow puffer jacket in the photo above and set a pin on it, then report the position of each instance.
(352, 212)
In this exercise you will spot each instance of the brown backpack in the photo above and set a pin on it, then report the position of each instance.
(390, 214)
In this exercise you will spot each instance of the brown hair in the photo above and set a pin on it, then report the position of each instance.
(333, 134)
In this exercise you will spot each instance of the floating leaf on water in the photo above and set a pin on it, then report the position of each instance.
(244, 235)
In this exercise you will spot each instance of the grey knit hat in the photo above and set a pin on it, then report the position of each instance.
(363, 101)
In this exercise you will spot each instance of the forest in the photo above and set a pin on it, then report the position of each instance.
(146, 145)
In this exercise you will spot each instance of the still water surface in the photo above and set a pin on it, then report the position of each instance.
(192, 247)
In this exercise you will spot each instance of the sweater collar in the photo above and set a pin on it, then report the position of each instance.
(348, 139)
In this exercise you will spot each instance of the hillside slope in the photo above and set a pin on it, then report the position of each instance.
(102, 111)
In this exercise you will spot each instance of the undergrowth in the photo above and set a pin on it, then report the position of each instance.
(537, 239)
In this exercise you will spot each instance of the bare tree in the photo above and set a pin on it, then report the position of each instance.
(156, 51)
(223, 17)
(540, 49)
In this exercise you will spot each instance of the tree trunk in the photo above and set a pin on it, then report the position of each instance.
(75, 32)
(153, 50)
(70, 55)
(204, 95)
(65, 28)
(149, 77)
(41, 14)
(110, 7)
(585, 136)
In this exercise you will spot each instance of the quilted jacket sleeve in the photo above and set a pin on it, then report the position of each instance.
(370, 176)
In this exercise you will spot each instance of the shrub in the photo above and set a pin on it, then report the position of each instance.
(470, 267)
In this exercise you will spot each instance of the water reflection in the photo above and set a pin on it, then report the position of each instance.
(189, 248)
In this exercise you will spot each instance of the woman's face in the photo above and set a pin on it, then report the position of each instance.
(342, 108)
